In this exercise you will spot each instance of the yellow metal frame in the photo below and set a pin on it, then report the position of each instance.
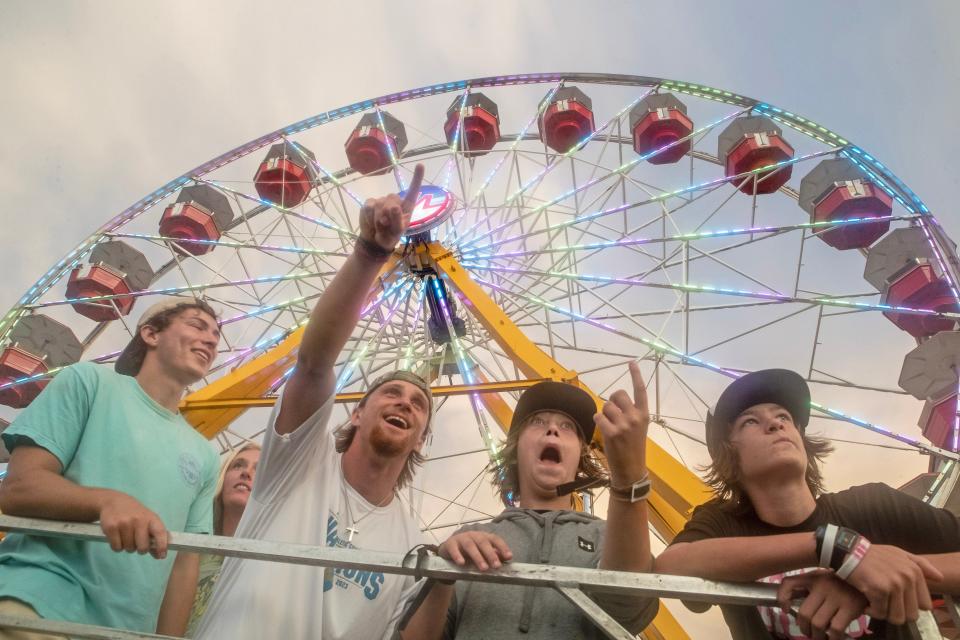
(676, 491)
(192, 404)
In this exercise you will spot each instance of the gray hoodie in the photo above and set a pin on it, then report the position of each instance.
(498, 611)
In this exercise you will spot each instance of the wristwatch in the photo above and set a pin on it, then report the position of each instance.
(636, 492)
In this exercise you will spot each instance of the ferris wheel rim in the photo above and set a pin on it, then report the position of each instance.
(608, 79)
(808, 127)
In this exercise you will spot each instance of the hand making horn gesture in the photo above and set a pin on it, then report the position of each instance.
(623, 423)
(384, 220)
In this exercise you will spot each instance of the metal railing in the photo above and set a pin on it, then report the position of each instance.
(568, 581)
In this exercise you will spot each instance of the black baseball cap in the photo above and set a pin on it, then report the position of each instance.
(779, 386)
(559, 397)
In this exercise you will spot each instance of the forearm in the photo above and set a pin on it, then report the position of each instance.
(949, 566)
(336, 313)
(739, 559)
(430, 618)
(331, 322)
(179, 596)
(45, 494)
(626, 541)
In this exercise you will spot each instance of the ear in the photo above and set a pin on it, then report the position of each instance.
(149, 335)
(421, 442)
(355, 416)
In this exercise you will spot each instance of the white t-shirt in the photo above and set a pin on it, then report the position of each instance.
(298, 497)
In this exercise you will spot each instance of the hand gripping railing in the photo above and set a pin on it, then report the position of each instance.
(569, 581)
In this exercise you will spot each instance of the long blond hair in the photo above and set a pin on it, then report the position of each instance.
(218, 495)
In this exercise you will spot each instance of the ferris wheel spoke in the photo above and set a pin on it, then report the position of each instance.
(269, 249)
(332, 226)
(557, 160)
(519, 138)
(708, 185)
(625, 168)
(723, 291)
(754, 329)
(599, 255)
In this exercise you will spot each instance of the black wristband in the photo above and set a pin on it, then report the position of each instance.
(372, 250)
(843, 542)
(818, 536)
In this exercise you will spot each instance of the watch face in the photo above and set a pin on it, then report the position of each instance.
(433, 207)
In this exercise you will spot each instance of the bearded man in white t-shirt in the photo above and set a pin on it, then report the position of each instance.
(318, 486)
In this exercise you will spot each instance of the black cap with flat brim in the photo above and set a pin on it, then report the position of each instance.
(558, 397)
(777, 386)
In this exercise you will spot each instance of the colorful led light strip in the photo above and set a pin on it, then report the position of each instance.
(175, 290)
(660, 347)
(937, 451)
(465, 371)
(543, 105)
(290, 212)
(259, 346)
(454, 222)
(393, 156)
(579, 145)
(686, 237)
(318, 167)
(806, 127)
(624, 168)
(694, 288)
(448, 167)
(230, 244)
(710, 184)
(349, 367)
(407, 361)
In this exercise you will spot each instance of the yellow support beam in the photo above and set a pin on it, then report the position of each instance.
(665, 627)
(676, 491)
(193, 404)
(252, 379)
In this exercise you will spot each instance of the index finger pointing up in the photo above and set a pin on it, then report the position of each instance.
(413, 191)
(639, 389)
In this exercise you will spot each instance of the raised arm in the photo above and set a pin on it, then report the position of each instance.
(623, 422)
(382, 222)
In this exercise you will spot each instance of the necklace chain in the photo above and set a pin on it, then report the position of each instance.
(352, 529)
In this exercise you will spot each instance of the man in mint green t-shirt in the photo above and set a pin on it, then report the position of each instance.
(99, 445)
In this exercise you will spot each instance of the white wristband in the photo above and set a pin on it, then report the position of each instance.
(853, 558)
(829, 538)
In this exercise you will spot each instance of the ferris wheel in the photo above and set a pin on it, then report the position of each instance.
(570, 223)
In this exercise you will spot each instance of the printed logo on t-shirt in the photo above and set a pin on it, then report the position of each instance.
(189, 468)
(586, 545)
(781, 624)
(369, 582)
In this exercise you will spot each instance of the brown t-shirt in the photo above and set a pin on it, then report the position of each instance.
(882, 514)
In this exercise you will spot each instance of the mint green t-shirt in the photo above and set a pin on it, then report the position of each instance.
(107, 432)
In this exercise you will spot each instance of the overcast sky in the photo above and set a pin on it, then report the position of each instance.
(103, 102)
